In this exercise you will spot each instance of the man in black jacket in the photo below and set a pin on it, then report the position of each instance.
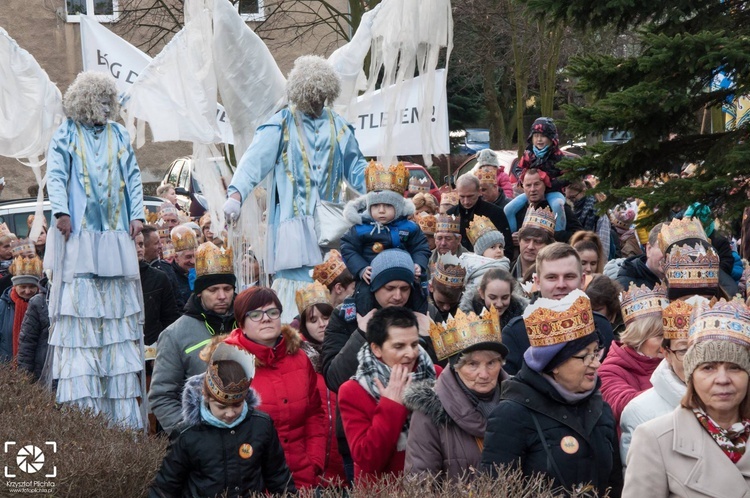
(535, 189)
(645, 269)
(470, 204)
(559, 272)
(152, 248)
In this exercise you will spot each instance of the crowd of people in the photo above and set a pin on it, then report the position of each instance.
(509, 323)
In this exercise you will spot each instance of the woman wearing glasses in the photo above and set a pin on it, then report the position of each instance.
(551, 417)
(285, 380)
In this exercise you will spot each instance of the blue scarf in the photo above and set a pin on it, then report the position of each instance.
(211, 420)
(540, 153)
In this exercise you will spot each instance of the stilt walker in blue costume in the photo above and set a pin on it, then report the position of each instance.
(308, 149)
(95, 302)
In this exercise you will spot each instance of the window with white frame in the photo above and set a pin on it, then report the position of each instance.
(103, 10)
(250, 10)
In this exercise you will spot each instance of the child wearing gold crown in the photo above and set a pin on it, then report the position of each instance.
(381, 222)
(225, 442)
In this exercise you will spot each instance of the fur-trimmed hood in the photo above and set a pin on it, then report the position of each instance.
(421, 397)
(292, 343)
(356, 211)
(192, 397)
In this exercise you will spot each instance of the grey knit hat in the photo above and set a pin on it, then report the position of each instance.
(716, 350)
(488, 240)
(390, 265)
(25, 279)
(398, 201)
(487, 157)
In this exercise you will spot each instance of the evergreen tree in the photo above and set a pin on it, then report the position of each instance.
(663, 95)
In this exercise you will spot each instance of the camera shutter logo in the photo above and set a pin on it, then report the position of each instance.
(30, 459)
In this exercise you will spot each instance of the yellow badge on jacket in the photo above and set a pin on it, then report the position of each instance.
(246, 451)
(569, 445)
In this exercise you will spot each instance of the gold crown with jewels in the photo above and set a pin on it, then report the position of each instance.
(315, 293)
(449, 198)
(449, 272)
(183, 238)
(542, 218)
(330, 269)
(691, 267)
(167, 250)
(448, 223)
(167, 208)
(394, 178)
(234, 392)
(26, 266)
(465, 330)
(417, 185)
(549, 322)
(487, 175)
(427, 223)
(676, 317)
(213, 260)
(20, 246)
(479, 226)
(680, 230)
(720, 320)
(637, 302)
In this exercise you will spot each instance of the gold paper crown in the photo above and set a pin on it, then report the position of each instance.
(167, 250)
(161, 229)
(695, 267)
(681, 230)
(4, 230)
(212, 260)
(26, 266)
(427, 223)
(722, 320)
(487, 175)
(637, 302)
(463, 331)
(549, 322)
(395, 178)
(315, 293)
(183, 238)
(330, 269)
(167, 207)
(235, 392)
(676, 319)
(417, 185)
(479, 226)
(542, 218)
(448, 223)
(20, 246)
(449, 272)
(449, 198)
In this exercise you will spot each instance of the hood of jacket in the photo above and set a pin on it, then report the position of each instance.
(635, 267)
(289, 344)
(221, 324)
(192, 397)
(628, 359)
(356, 211)
(667, 385)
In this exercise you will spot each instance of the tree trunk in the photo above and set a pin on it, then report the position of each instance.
(548, 61)
(521, 71)
(494, 113)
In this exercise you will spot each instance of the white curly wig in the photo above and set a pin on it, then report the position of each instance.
(83, 101)
(312, 80)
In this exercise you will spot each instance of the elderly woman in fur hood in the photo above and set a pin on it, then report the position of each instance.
(449, 416)
(381, 222)
(226, 444)
(285, 380)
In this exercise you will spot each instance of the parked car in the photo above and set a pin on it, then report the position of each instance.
(474, 140)
(180, 174)
(15, 212)
(419, 171)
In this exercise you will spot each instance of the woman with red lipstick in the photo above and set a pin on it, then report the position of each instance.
(376, 422)
(699, 449)
(285, 381)
(551, 417)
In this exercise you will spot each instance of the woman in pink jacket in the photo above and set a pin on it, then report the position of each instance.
(626, 372)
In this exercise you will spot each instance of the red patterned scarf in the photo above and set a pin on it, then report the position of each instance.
(732, 441)
(21, 307)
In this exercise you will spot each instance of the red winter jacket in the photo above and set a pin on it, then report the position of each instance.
(372, 430)
(625, 374)
(288, 389)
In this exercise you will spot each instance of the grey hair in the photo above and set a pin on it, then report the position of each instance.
(467, 180)
(312, 80)
(83, 101)
(466, 357)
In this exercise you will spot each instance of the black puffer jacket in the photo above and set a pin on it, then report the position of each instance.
(159, 303)
(183, 283)
(634, 269)
(34, 335)
(204, 460)
(588, 428)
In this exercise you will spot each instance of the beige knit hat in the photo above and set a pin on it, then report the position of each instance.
(719, 331)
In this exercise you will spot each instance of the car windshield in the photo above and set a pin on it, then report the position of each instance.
(478, 136)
